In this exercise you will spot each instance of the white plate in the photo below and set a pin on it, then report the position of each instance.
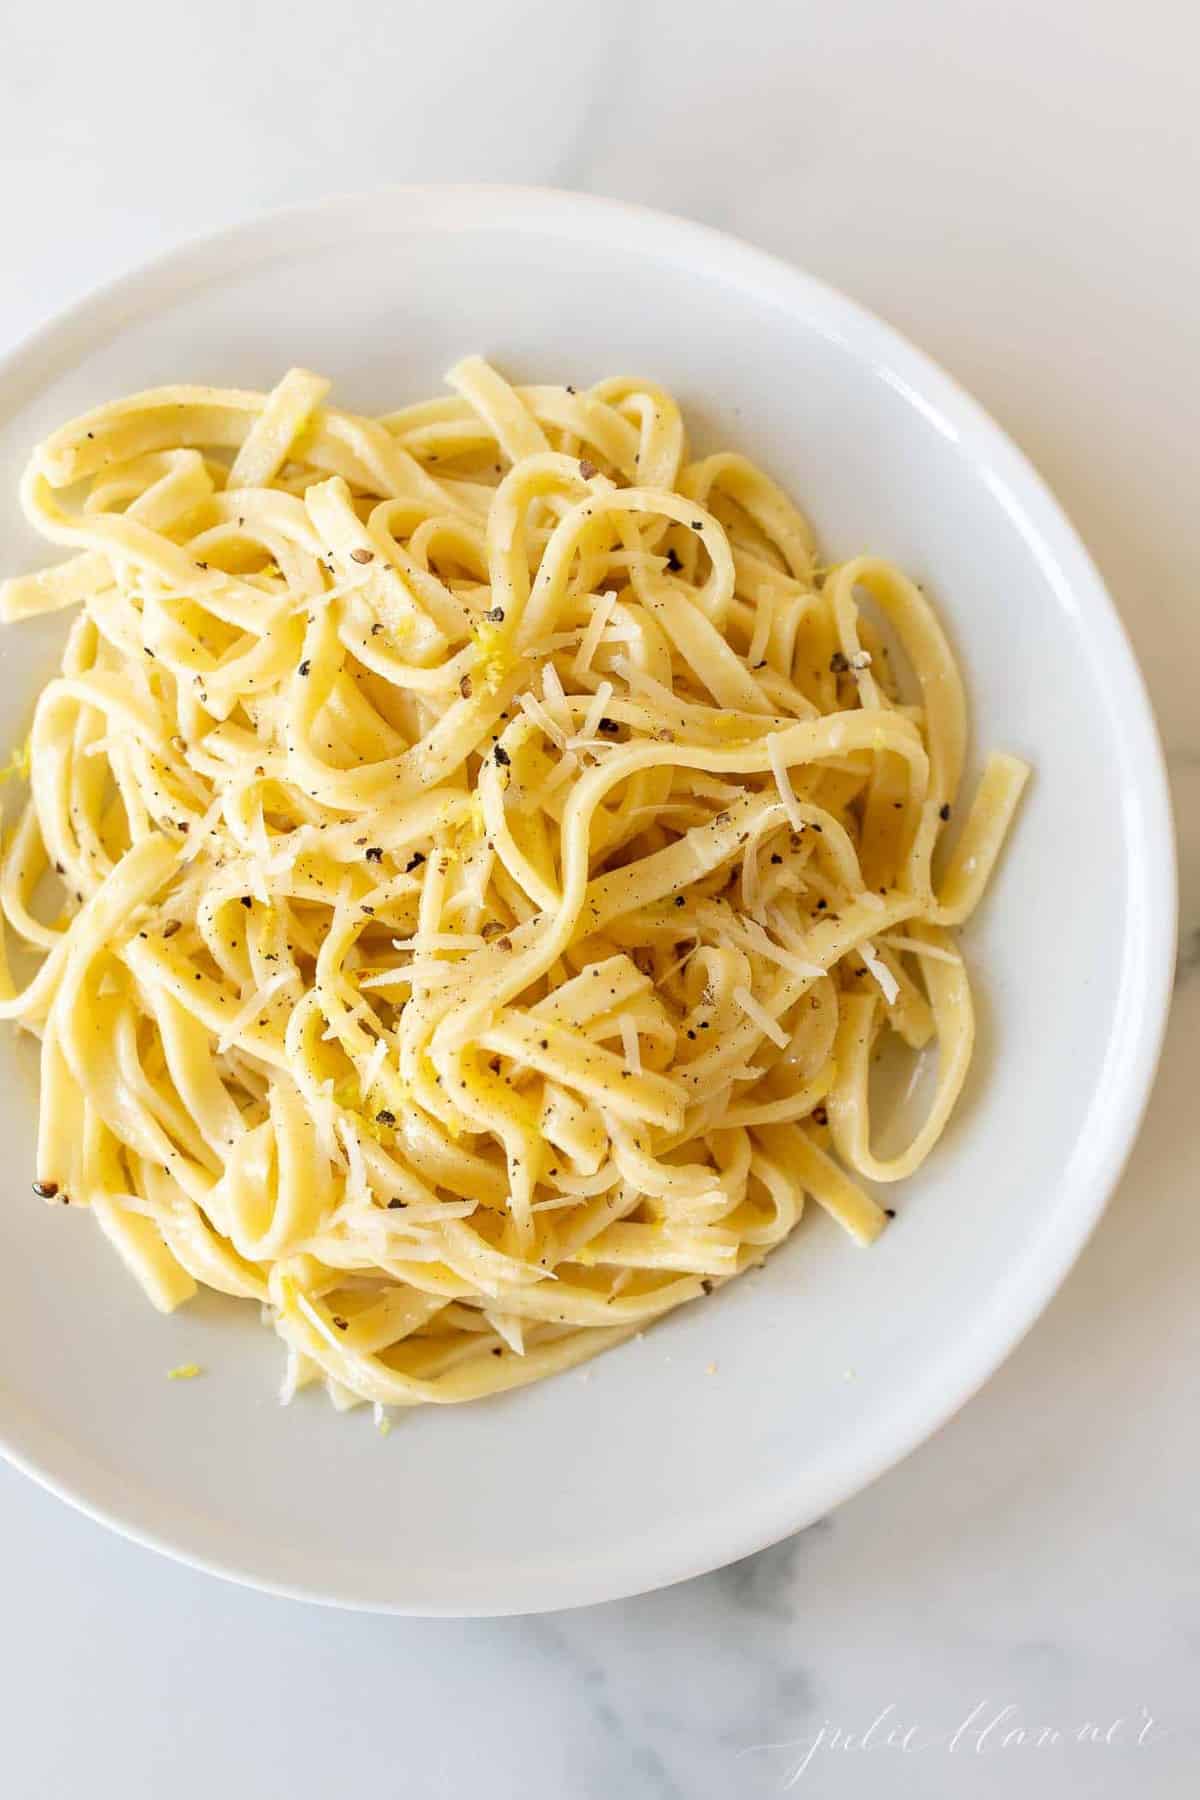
(834, 1362)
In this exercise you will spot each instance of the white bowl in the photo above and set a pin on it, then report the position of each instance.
(835, 1361)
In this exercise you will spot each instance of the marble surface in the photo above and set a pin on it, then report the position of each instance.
(1017, 1607)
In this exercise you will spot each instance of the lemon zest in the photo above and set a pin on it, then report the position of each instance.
(493, 657)
(19, 763)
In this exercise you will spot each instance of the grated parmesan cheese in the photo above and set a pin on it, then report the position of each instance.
(676, 966)
(372, 1066)
(555, 696)
(203, 829)
(795, 965)
(262, 858)
(508, 1326)
(570, 640)
(291, 1377)
(631, 1044)
(429, 975)
(783, 782)
(657, 698)
(533, 709)
(558, 640)
(748, 934)
(755, 1011)
(247, 1013)
(357, 1187)
(601, 614)
(324, 1114)
(596, 711)
(921, 949)
(322, 597)
(887, 981)
(440, 940)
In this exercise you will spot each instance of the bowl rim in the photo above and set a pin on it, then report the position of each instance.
(1148, 955)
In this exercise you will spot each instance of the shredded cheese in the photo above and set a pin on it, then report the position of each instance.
(596, 711)
(762, 941)
(533, 709)
(324, 1112)
(509, 1326)
(889, 986)
(558, 640)
(322, 597)
(291, 1377)
(754, 1010)
(358, 1190)
(601, 614)
(202, 830)
(249, 1011)
(430, 975)
(933, 951)
(570, 640)
(783, 782)
(372, 1066)
(555, 694)
(441, 940)
(750, 935)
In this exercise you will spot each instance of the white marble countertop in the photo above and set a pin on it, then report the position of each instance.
(1014, 186)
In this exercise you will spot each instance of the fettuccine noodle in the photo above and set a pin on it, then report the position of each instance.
(474, 856)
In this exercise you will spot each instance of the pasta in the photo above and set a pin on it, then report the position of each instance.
(471, 859)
